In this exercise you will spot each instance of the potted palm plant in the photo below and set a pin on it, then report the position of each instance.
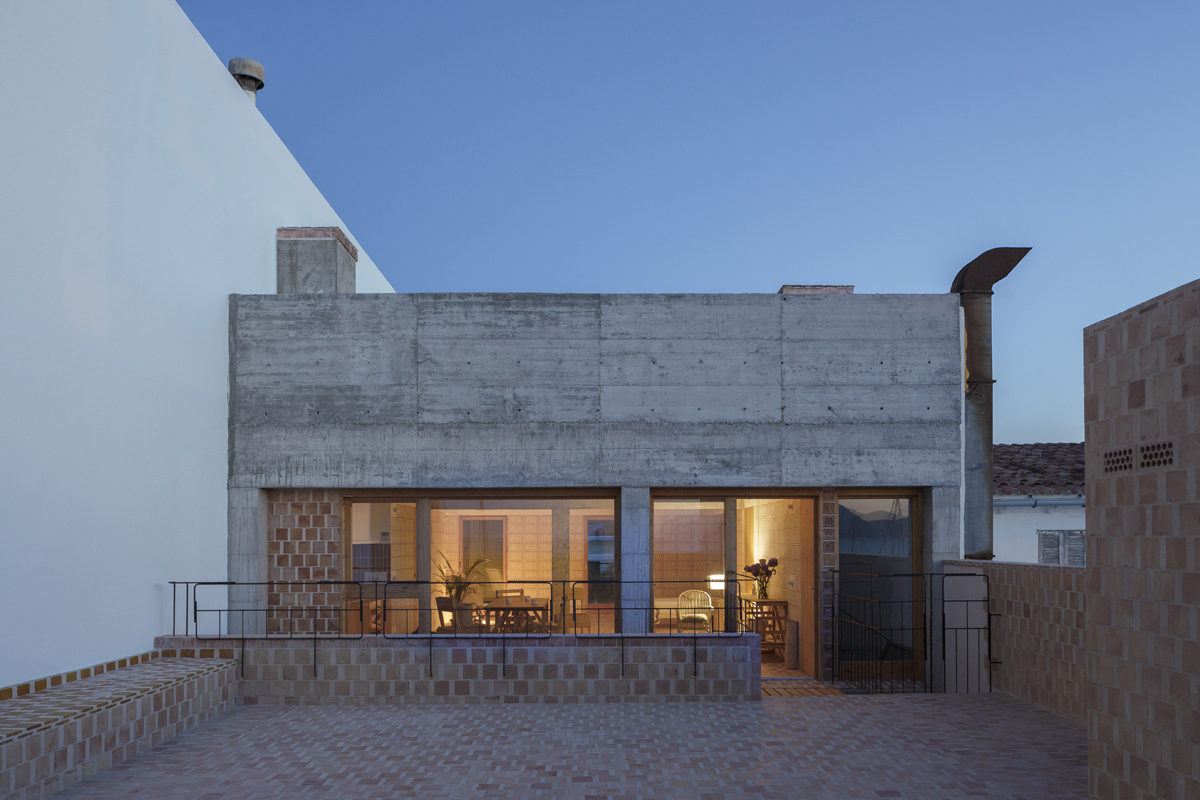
(457, 584)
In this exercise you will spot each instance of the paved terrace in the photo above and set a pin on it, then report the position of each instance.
(845, 747)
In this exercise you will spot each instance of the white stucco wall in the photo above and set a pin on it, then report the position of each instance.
(139, 187)
(1014, 530)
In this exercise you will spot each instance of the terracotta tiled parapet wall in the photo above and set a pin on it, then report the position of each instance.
(1142, 413)
(555, 669)
(52, 739)
(1039, 635)
(52, 681)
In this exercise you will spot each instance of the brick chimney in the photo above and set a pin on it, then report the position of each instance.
(314, 261)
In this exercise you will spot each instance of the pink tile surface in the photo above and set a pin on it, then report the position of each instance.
(814, 747)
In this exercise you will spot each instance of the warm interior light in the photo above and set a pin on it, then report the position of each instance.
(716, 583)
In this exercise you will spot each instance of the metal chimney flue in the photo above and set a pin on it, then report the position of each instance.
(973, 285)
(249, 75)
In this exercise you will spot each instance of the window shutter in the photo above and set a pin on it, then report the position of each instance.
(1076, 547)
(1049, 547)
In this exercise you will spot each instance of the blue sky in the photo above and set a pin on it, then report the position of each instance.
(721, 147)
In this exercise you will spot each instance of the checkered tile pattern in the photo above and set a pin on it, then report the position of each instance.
(304, 546)
(933, 747)
(1038, 633)
(489, 669)
(1142, 411)
(54, 738)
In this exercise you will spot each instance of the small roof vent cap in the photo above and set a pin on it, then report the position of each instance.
(249, 74)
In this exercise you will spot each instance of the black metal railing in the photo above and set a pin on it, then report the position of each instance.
(319, 610)
(912, 632)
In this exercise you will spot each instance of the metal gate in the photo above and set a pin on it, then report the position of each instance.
(913, 632)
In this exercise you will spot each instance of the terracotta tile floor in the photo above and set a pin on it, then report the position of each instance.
(798, 688)
(844, 747)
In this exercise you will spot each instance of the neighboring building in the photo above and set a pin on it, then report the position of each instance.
(1038, 505)
(140, 188)
(1141, 389)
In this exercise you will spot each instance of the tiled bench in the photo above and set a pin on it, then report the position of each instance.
(54, 738)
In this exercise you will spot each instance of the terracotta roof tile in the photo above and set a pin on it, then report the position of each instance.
(1042, 468)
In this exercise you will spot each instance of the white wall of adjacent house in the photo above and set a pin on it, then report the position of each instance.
(139, 188)
(1015, 529)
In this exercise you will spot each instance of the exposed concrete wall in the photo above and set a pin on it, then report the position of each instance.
(247, 559)
(943, 525)
(515, 390)
(636, 548)
(313, 266)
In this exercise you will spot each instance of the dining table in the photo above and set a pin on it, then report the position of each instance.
(515, 614)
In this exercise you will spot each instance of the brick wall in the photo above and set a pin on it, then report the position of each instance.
(1039, 635)
(304, 545)
(1142, 415)
(558, 669)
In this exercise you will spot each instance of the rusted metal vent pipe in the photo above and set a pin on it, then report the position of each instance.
(973, 284)
(250, 76)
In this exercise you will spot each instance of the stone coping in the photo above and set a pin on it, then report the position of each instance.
(980, 564)
(42, 710)
(191, 647)
(50, 682)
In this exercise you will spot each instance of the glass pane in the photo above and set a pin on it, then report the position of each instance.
(601, 560)
(483, 547)
(689, 546)
(383, 541)
(875, 535)
(533, 548)
(383, 547)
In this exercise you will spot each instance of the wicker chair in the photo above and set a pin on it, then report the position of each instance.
(695, 611)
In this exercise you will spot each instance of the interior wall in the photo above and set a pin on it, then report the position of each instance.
(786, 529)
(528, 542)
(689, 545)
(131, 209)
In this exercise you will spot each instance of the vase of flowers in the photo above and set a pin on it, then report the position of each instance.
(762, 572)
